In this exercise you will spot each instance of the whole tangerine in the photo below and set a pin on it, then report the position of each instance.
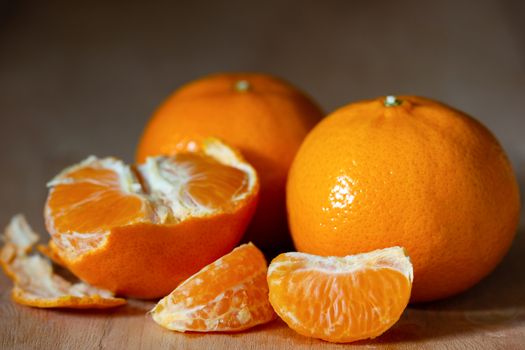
(264, 117)
(411, 172)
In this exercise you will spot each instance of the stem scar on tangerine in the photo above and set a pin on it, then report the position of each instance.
(392, 101)
(242, 86)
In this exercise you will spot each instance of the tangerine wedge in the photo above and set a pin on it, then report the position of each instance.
(35, 282)
(139, 231)
(231, 294)
(341, 299)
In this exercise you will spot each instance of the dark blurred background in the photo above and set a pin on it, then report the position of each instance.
(82, 77)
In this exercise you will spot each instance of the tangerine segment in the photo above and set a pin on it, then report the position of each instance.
(139, 231)
(35, 283)
(231, 294)
(341, 299)
(88, 199)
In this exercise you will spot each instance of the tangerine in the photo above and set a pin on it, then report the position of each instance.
(411, 172)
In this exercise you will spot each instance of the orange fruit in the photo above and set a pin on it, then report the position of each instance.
(341, 299)
(141, 231)
(35, 282)
(265, 117)
(230, 294)
(410, 172)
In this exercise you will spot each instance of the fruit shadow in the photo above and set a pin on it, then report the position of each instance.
(271, 333)
(262, 328)
(275, 242)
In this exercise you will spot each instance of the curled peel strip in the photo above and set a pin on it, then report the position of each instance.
(35, 283)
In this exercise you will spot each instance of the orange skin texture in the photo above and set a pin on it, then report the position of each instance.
(142, 267)
(419, 175)
(267, 122)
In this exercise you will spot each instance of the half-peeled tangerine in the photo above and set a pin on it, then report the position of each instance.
(139, 231)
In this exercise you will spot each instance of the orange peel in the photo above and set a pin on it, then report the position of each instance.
(35, 283)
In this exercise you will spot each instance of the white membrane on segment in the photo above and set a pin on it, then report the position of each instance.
(394, 258)
(166, 182)
(127, 180)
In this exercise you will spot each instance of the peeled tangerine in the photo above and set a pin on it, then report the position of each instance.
(230, 294)
(341, 299)
(139, 231)
(35, 283)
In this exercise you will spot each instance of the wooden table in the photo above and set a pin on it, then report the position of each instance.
(489, 316)
(82, 77)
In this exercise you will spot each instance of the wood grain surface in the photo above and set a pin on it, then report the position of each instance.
(82, 77)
